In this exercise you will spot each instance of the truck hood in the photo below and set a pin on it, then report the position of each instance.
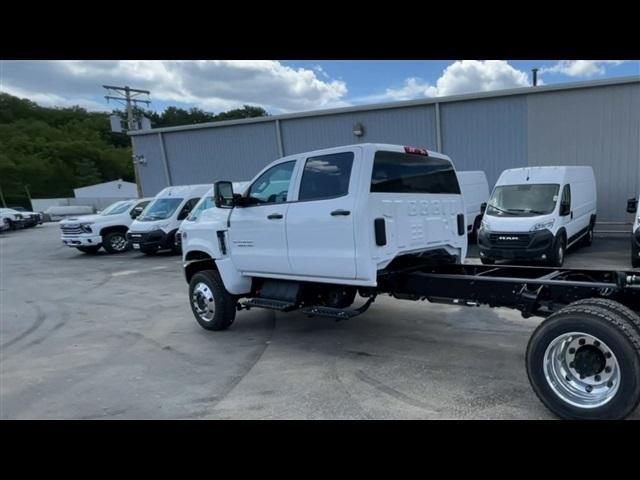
(81, 219)
(513, 224)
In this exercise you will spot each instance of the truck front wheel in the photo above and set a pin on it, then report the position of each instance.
(211, 304)
(583, 362)
(115, 242)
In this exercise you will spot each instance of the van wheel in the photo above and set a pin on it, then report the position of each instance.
(174, 242)
(115, 242)
(559, 250)
(487, 261)
(583, 362)
(587, 240)
(211, 304)
(90, 250)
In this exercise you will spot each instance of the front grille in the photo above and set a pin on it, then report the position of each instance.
(507, 240)
(72, 230)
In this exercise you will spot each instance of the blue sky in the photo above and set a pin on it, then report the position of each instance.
(285, 86)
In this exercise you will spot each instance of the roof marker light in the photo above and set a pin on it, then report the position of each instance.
(416, 151)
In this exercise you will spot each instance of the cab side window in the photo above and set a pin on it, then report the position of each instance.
(326, 176)
(272, 186)
(137, 210)
(186, 210)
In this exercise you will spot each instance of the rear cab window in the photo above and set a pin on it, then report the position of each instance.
(398, 172)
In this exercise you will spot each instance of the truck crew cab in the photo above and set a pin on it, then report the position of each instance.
(313, 230)
(108, 229)
(632, 207)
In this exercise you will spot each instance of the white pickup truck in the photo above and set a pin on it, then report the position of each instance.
(108, 229)
(314, 229)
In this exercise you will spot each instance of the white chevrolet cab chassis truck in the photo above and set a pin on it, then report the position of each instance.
(315, 230)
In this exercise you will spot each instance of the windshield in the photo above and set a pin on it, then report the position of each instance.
(204, 204)
(116, 208)
(160, 209)
(523, 200)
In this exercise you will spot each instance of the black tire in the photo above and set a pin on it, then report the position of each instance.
(89, 250)
(635, 259)
(174, 243)
(225, 303)
(587, 240)
(635, 262)
(112, 241)
(473, 235)
(487, 261)
(616, 307)
(607, 326)
(556, 259)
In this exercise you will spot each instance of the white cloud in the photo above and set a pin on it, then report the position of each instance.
(211, 84)
(581, 68)
(463, 76)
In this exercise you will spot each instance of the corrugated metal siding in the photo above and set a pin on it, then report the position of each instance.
(233, 153)
(152, 174)
(488, 135)
(405, 126)
(598, 127)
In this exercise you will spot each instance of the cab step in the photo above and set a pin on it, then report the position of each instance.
(270, 303)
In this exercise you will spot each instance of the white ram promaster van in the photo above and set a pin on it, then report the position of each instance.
(536, 213)
(323, 224)
(632, 207)
(475, 190)
(156, 227)
(106, 229)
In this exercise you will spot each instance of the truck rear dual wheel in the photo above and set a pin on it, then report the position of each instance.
(583, 362)
(212, 305)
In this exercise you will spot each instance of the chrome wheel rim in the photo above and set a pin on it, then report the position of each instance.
(582, 370)
(118, 242)
(203, 302)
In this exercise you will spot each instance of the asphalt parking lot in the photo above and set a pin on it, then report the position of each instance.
(101, 336)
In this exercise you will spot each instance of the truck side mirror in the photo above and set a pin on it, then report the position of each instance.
(135, 213)
(223, 194)
(632, 205)
(483, 207)
(565, 209)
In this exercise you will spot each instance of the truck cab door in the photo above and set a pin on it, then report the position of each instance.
(257, 231)
(320, 223)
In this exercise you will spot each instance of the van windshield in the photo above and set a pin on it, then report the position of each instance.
(116, 208)
(523, 200)
(160, 209)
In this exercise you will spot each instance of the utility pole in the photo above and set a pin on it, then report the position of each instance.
(127, 96)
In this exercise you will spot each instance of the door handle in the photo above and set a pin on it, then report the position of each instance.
(344, 213)
(275, 216)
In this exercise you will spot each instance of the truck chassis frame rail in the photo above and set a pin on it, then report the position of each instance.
(535, 291)
(583, 360)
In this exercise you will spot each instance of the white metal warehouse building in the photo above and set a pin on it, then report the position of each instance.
(593, 123)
